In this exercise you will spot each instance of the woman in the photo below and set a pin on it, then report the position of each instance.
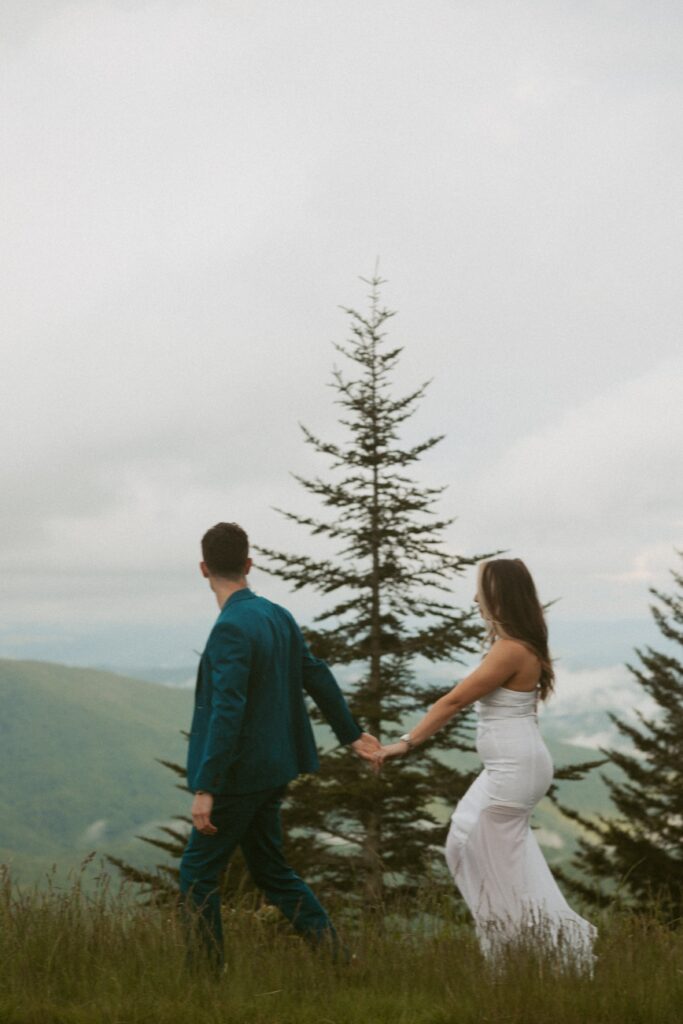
(491, 851)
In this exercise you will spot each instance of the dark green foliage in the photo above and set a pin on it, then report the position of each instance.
(641, 848)
(387, 583)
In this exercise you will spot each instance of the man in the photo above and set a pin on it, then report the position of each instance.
(250, 736)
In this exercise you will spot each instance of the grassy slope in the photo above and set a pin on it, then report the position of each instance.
(64, 960)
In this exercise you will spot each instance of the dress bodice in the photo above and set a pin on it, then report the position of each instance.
(504, 703)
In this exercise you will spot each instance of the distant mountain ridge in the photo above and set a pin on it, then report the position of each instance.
(124, 647)
(183, 677)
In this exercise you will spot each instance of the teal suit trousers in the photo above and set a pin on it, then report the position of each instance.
(252, 822)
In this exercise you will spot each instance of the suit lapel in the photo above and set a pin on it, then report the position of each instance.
(198, 683)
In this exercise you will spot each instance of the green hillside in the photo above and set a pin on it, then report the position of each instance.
(79, 770)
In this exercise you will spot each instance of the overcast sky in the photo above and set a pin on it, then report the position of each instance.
(190, 190)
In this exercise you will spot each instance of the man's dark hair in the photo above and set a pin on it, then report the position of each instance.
(225, 549)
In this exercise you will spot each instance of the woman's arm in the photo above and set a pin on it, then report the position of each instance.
(497, 668)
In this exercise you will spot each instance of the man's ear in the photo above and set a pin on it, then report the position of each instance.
(204, 570)
(247, 566)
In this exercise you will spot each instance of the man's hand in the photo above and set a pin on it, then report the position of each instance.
(201, 813)
(366, 746)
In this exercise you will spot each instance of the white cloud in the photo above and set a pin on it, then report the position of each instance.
(600, 740)
(648, 565)
(94, 832)
(552, 840)
(598, 689)
(577, 713)
(605, 456)
(593, 500)
(189, 191)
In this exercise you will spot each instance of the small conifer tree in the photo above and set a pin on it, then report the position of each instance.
(640, 849)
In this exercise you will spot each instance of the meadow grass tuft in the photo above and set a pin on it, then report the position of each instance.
(74, 955)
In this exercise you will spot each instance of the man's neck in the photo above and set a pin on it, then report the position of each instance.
(224, 589)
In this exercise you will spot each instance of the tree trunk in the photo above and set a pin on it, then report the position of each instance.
(374, 885)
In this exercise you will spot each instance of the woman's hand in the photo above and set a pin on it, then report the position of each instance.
(387, 751)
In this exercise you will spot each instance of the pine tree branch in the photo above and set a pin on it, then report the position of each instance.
(177, 768)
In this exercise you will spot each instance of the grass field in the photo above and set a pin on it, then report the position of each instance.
(74, 957)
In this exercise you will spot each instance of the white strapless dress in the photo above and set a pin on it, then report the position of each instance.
(491, 851)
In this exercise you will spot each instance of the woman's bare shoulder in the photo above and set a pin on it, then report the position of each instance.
(516, 649)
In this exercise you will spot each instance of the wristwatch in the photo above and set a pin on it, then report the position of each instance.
(406, 739)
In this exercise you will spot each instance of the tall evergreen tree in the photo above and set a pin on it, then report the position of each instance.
(386, 582)
(640, 850)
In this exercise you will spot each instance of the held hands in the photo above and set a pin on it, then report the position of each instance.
(398, 749)
(366, 746)
(370, 749)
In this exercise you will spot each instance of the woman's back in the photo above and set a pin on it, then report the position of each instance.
(525, 665)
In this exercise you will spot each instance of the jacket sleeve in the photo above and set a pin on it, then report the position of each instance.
(320, 684)
(229, 655)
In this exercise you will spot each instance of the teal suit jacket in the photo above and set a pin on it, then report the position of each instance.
(250, 729)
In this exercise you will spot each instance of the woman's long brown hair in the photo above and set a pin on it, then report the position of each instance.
(511, 606)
